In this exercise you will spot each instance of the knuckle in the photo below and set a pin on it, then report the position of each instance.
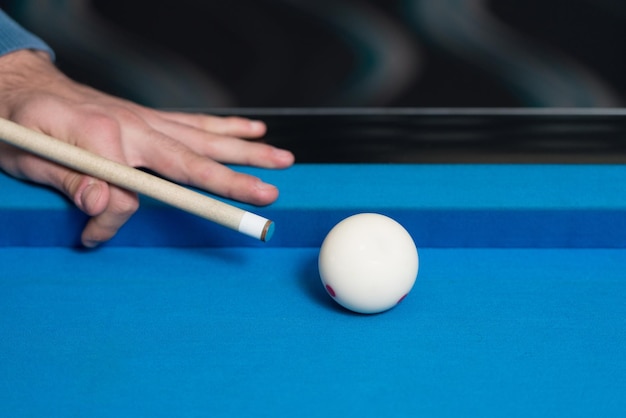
(71, 183)
(238, 186)
(30, 108)
(210, 174)
(102, 126)
(128, 116)
(125, 206)
(191, 168)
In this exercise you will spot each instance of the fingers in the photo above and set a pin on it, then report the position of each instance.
(242, 152)
(224, 147)
(230, 125)
(108, 206)
(179, 151)
(122, 204)
(89, 194)
(189, 149)
(182, 165)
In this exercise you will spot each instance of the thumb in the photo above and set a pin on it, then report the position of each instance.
(88, 194)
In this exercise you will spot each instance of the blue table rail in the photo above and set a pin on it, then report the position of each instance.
(490, 205)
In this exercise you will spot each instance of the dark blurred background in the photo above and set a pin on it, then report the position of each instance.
(340, 53)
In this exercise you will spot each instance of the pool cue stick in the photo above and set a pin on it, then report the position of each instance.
(135, 180)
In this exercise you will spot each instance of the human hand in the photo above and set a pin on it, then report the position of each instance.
(185, 148)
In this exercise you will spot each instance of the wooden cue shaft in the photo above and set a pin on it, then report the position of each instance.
(129, 178)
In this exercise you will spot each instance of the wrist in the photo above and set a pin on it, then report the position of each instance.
(23, 61)
(23, 72)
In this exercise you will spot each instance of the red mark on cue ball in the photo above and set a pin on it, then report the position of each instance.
(330, 290)
(401, 299)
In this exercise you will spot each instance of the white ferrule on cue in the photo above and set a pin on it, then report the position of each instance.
(136, 180)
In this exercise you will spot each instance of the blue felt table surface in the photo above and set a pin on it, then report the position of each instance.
(250, 332)
(518, 309)
(442, 206)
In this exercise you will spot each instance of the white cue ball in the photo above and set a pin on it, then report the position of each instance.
(368, 263)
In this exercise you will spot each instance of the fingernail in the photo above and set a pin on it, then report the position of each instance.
(283, 155)
(257, 125)
(264, 186)
(90, 243)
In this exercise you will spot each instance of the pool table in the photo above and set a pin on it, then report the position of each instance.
(519, 308)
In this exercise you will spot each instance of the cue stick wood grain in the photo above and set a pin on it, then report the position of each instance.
(121, 175)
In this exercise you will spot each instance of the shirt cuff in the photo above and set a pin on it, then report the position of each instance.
(13, 38)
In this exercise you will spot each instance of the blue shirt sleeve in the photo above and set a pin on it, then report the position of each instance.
(13, 37)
